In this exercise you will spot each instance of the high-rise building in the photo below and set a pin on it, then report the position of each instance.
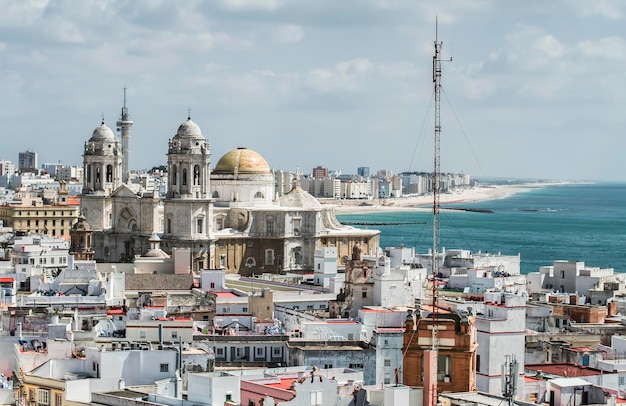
(320, 172)
(363, 171)
(7, 168)
(27, 161)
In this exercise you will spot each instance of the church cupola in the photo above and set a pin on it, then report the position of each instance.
(188, 162)
(102, 162)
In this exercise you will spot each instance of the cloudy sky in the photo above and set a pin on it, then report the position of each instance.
(536, 89)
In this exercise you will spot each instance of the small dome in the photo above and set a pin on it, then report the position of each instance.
(298, 197)
(81, 225)
(188, 129)
(155, 253)
(242, 161)
(103, 133)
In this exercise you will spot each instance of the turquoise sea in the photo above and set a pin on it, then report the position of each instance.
(581, 222)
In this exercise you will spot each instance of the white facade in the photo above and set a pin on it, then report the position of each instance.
(500, 333)
(570, 277)
(213, 388)
(324, 266)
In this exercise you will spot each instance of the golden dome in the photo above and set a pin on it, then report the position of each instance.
(242, 161)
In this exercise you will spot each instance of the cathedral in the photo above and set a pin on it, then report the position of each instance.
(227, 217)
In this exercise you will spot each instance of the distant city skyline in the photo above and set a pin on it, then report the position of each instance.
(534, 89)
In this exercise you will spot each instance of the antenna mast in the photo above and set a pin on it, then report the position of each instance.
(509, 378)
(436, 207)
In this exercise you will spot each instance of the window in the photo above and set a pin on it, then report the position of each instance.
(196, 175)
(199, 225)
(109, 173)
(184, 181)
(269, 257)
(222, 263)
(328, 366)
(309, 307)
(364, 294)
(355, 366)
(174, 175)
(297, 223)
(216, 195)
(142, 334)
(58, 399)
(169, 226)
(269, 226)
(43, 397)
(244, 310)
(212, 285)
(622, 380)
(220, 352)
(316, 398)
(444, 368)
(164, 367)
(259, 195)
(259, 351)
(219, 223)
(174, 335)
(562, 274)
(276, 351)
(387, 362)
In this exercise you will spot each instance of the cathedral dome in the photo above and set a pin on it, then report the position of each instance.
(188, 129)
(103, 133)
(243, 161)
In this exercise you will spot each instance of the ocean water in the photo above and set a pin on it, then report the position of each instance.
(578, 222)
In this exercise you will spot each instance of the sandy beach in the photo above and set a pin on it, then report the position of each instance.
(424, 202)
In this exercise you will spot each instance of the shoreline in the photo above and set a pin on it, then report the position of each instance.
(424, 202)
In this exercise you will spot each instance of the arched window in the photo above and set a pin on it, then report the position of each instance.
(250, 262)
(216, 195)
(196, 175)
(169, 226)
(184, 181)
(174, 174)
(109, 173)
(259, 195)
(297, 255)
(98, 179)
(89, 173)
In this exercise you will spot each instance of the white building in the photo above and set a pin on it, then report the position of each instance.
(501, 331)
(38, 258)
(571, 277)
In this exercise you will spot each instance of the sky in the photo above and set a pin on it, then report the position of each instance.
(535, 89)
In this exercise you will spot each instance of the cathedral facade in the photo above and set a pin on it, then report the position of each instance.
(228, 217)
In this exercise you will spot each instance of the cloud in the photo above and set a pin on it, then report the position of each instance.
(608, 48)
(288, 33)
(239, 5)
